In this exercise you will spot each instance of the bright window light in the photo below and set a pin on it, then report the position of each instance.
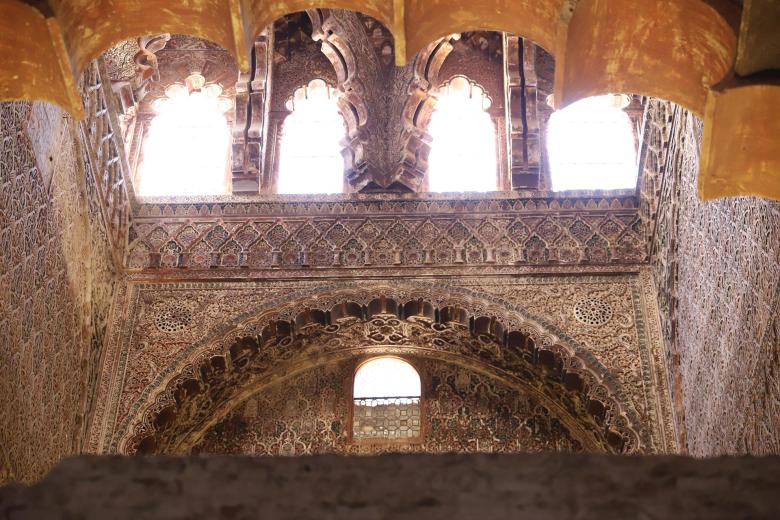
(590, 146)
(312, 139)
(463, 148)
(186, 150)
(386, 377)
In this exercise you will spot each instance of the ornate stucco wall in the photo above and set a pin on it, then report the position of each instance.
(463, 411)
(56, 287)
(717, 265)
(170, 325)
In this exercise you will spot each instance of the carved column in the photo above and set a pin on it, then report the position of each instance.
(251, 116)
(522, 120)
(338, 32)
(418, 110)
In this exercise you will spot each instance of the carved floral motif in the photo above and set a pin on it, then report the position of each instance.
(717, 267)
(464, 412)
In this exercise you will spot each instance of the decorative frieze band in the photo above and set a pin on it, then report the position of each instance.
(190, 237)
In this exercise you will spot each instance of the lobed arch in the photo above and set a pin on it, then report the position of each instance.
(456, 326)
(680, 50)
(421, 104)
(352, 103)
(563, 27)
(300, 93)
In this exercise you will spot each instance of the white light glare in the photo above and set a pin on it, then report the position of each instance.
(186, 150)
(310, 159)
(463, 148)
(590, 146)
(386, 377)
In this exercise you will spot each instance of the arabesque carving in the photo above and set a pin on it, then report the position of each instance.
(420, 105)
(572, 384)
(713, 291)
(57, 282)
(464, 411)
(510, 231)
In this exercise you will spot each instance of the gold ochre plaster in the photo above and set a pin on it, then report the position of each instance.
(671, 49)
(740, 152)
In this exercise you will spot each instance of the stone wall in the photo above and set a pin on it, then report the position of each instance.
(718, 269)
(56, 286)
(431, 487)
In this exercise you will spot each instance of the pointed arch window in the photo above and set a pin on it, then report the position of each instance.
(386, 404)
(463, 146)
(313, 136)
(590, 145)
(187, 148)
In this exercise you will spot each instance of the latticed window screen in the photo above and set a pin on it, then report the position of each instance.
(386, 400)
(386, 418)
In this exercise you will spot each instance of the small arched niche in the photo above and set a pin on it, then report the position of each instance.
(313, 136)
(591, 145)
(386, 402)
(176, 96)
(463, 148)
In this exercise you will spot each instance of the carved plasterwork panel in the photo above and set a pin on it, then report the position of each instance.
(148, 355)
(613, 341)
(463, 412)
(717, 266)
(120, 62)
(725, 296)
(583, 396)
(501, 232)
(56, 287)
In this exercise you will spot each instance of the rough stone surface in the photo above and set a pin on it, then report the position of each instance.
(549, 486)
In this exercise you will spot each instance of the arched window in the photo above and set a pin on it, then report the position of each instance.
(463, 147)
(310, 159)
(386, 397)
(186, 149)
(590, 145)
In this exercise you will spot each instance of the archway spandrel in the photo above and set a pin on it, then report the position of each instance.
(273, 302)
(176, 423)
(608, 331)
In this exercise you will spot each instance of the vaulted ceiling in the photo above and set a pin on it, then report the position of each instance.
(686, 51)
